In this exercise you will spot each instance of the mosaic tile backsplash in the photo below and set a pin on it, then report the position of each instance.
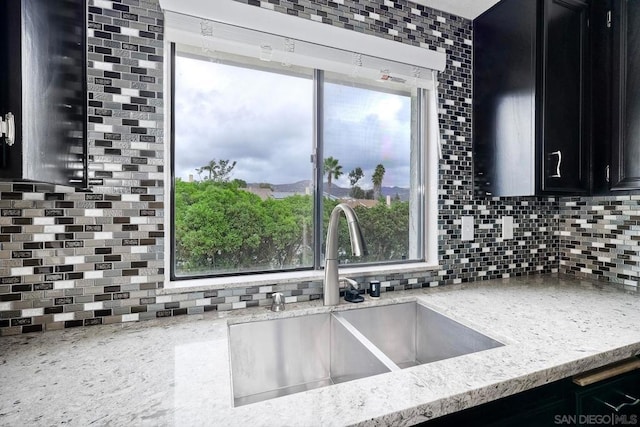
(600, 236)
(71, 259)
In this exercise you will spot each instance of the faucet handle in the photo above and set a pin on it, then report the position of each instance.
(351, 284)
(277, 303)
(351, 293)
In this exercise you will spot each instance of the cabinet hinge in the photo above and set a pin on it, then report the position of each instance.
(608, 19)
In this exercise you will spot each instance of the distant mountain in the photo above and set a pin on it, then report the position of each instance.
(403, 193)
(341, 192)
(300, 187)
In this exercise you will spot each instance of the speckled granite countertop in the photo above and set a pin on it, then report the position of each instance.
(176, 371)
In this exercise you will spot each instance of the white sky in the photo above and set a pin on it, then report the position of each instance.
(264, 121)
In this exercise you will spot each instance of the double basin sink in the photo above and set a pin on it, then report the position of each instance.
(274, 358)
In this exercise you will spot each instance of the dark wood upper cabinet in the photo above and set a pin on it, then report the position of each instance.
(601, 94)
(531, 102)
(43, 84)
(625, 95)
(564, 139)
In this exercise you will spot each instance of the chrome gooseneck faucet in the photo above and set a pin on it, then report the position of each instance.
(331, 281)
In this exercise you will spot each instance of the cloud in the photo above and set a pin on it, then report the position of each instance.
(365, 128)
(264, 122)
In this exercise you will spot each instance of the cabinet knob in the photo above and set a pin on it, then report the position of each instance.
(8, 128)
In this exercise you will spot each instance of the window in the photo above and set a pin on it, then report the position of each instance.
(254, 184)
(275, 120)
(369, 136)
(242, 189)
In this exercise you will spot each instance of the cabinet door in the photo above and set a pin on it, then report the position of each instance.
(625, 159)
(504, 95)
(44, 49)
(10, 84)
(564, 139)
(601, 95)
(618, 398)
(538, 407)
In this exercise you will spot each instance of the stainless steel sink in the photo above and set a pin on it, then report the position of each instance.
(411, 334)
(275, 358)
(278, 357)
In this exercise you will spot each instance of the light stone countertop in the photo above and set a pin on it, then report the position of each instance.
(176, 371)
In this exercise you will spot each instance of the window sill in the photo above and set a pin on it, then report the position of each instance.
(233, 282)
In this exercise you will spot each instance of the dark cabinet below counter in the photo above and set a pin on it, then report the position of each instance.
(531, 98)
(617, 398)
(607, 396)
(43, 91)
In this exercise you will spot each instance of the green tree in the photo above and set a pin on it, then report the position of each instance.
(386, 230)
(219, 227)
(222, 228)
(288, 233)
(376, 178)
(355, 175)
(333, 170)
(357, 193)
(240, 183)
(218, 170)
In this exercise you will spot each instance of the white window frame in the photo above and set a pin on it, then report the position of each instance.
(253, 17)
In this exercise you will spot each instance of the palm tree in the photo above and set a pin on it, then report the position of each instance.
(376, 178)
(333, 169)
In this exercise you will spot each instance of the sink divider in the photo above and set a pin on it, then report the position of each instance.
(368, 344)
